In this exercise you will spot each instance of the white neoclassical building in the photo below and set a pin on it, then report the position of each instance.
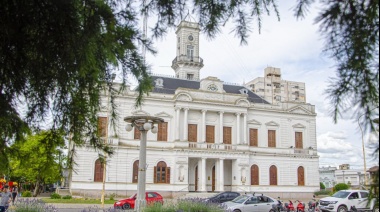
(215, 137)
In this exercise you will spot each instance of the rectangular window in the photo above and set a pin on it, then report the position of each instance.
(253, 137)
(190, 52)
(227, 135)
(299, 142)
(210, 134)
(102, 126)
(271, 138)
(162, 134)
(190, 76)
(193, 133)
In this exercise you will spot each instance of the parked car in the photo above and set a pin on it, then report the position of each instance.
(346, 200)
(250, 203)
(129, 203)
(222, 197)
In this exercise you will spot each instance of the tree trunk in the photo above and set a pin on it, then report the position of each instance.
(36, 188)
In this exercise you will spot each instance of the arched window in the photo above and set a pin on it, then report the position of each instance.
(254, 175)
(301, 176)
(98, 171)
(135, 175)
(161, 173)
(273, 175)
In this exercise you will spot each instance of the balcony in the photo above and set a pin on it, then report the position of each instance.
(189, 61)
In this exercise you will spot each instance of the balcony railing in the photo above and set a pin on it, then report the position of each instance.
(187, 59)
(197, 145)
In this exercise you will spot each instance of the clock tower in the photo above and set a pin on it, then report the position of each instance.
(187, 63)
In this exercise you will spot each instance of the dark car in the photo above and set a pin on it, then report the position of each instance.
(129, 203)
(222, 197)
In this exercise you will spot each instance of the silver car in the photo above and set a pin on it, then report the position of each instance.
(249, 203)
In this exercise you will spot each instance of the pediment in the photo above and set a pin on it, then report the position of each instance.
(253, 121)
(163, 115)
(272, 124)
(242, 102)
(184, 97)
(140, 113)
(299, 126)
(299, 110)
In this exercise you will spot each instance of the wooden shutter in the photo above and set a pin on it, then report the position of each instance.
(102, 126)
(98, 172)
(254, 175)
(210, 134)
(299, 142)
(192, 133)
(162, 134)
(253, 137)
(155, 175)
(227, 136)
(135, 175)
(273, 175)
(301, 176)
(271, 138)
(168, 175)
(137, 135)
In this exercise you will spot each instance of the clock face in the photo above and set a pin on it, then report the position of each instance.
(190, 38)
(212, 87)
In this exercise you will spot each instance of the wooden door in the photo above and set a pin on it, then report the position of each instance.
(192, 133)
(196, 178)
(210, 134)
(299, 142)
(99, 169)
(301, 176)
(162, 134)
(273, 175)
(271, 138)
(253, 137)
(254, 175)
(213, 179)
(227, 135)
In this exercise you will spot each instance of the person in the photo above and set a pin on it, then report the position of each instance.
(6, 198)
(14, 194)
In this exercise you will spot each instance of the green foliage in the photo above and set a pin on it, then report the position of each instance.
(341, 186)
(112, 196)
(184, 205)
(55, 196)
(322, 186)
(67, 197)
(26, 194)
(323, 192)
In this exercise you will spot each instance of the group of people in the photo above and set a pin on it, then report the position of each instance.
(7, 197)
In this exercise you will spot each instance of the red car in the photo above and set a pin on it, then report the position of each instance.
(129, 203)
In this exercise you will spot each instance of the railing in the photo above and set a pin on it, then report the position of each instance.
(185, 58)
(197, 145)
(301, 151)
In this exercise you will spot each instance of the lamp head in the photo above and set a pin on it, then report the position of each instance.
(129, 127)
(154, 129)
(147, 126)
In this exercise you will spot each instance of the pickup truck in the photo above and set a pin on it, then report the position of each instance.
(347, 200)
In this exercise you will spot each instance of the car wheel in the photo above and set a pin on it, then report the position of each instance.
(236, 210)
(342, 208)
(271, 210)
(376, 209)
(126, 206)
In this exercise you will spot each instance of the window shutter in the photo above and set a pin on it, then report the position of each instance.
(162, 134)
(98, 172)
(192, 134)
(135, 173)
(102, 126)
(253, 137)
(168, 175)
(254, 175)
(271, 138)
(299, 143)
(273, 175)
(137, 135)
(155, 175)
(227, 137)
(301, 176)
(210, 134)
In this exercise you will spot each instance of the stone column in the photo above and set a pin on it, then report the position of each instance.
(245, 129)
(178, 110)
(221, 174)
(186, 125)
(204, 175)
(237, 128)
(221, 113)
(203, 126)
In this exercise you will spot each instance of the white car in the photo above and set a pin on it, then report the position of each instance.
(346, 200)
(250, 203)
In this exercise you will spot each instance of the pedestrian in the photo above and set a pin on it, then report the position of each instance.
(14, 194)
(6, 198)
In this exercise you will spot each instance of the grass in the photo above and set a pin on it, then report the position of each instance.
(77, 201)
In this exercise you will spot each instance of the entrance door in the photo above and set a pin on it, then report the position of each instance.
(301, 176)
(213, 179)
(196, 178)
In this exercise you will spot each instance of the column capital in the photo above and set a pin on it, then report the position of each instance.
(203, 111)
(237, 114)
(204, 158)
(221, 158)
(186, 108)
(177, 108)
(221, 112)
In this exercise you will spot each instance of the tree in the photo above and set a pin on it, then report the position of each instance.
(341, 186)
(37, 159)
(322, 186)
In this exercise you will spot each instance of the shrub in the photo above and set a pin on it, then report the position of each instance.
(67, 197)
(26, 194)
(112, 196)
(55, 196)
(32, 205)
(194, 204)
(340, 186)
(323, 192)
(322, 186)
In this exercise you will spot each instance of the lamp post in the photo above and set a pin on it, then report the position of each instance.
(113, 76)
(143, 124)
(344, 180)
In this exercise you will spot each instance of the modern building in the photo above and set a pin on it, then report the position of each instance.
(215, 137)
(274, 89)
(327, 176)
(353, 177)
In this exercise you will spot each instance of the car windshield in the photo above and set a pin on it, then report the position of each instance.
(133, 196)
(215, 195)
(341, 194)
(240, 199)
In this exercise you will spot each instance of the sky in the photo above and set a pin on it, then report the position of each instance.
(294, 46)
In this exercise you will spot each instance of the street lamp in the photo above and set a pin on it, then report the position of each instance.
(344, 180)
(143, 124)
